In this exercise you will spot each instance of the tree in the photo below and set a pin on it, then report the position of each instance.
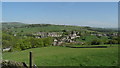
(35, 42)
(47, 41)
(6, 44)
(23, 44)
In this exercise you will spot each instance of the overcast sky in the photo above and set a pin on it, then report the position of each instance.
(94, 14)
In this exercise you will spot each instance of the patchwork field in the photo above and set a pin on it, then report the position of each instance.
(64, 56)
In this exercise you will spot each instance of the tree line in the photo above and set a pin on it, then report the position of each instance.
(23, 43)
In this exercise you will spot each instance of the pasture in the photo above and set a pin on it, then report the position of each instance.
(64, 56)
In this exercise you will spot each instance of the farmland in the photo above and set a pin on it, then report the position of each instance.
(64, 56)
(60, 45)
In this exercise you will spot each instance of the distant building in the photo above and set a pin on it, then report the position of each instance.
(48, 34)
(6, 49)
(15, 34)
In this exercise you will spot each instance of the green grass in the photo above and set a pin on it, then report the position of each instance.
(108, 45)
(89, 38)
(47, 29)
(63, 56)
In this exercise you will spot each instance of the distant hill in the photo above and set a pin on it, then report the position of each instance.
(18, 27)
(104, 29)
(12, 23)
(9, 25)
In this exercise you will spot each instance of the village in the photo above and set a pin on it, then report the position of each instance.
(60, 38)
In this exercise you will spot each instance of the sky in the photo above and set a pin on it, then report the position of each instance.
(59, 0)
(94, 14)
(0, 13)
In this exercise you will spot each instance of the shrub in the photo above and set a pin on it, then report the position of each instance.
(95, 42)
(112, 41)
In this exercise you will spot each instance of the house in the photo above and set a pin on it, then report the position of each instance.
(15, 34)
(6, 49)
(55, 42)
(48, 34)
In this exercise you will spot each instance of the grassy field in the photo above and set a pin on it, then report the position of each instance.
(51, 28)
(63, 56)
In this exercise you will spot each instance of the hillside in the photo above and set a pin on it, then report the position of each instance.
(60, 45)
(20, 28)
(17, 27)
(17, 35)
(8, 25)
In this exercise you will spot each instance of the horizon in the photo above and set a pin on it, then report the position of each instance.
(63, 25)
(93, 14)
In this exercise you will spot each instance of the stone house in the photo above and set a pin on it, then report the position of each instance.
(47, 34)
(6, 49)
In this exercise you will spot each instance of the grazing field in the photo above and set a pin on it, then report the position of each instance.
(51, 28)
(64, 56)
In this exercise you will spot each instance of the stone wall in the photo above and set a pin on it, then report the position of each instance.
(13, 64)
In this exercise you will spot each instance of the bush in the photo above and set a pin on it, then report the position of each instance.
(112, 41)
(95, 42)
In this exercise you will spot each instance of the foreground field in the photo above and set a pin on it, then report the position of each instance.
(63, 56)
